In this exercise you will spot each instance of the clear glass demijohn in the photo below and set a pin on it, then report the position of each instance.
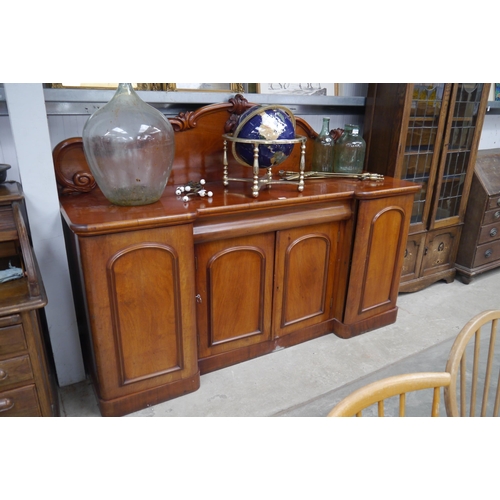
(129, 146)
(349, 151)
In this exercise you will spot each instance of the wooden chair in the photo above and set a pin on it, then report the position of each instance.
(398, 385)
(473, 363)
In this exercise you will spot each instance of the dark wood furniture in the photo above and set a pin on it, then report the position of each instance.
(479, 249)
(169, 290)
(427, 133)
(27, 381)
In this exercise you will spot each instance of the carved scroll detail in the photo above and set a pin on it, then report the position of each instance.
(84, 182)
(238, 106)
(184, 121)
(71, 169)
(189, 119)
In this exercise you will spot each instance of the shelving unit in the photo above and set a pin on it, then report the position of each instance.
(79, 101)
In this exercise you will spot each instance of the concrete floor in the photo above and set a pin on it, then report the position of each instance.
(309, 379)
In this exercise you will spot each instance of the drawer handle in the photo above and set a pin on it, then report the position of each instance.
(493, 232)
(498, 202)
(488, 253)
(6, 404)
(3, 374)
(497, 214)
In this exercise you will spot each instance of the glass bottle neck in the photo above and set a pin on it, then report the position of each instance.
(124, 88)
(351, 130)
(326, 127)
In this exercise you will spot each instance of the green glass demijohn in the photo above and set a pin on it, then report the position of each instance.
(129, 147)
(349, 151)
(322, 160)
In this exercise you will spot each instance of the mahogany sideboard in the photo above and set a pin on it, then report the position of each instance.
(27, 378)
(170, 290)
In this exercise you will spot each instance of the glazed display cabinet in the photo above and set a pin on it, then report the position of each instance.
(427, 133)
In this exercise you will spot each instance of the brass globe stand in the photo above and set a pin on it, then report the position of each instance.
(267, 179)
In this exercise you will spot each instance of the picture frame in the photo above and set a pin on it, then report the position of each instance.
(318, 89)
(106, 86)
(205, 87)
(167, 87)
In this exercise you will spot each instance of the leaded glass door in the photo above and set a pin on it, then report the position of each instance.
(420, 160)
(460, 142)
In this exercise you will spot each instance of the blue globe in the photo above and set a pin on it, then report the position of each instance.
(268, 123)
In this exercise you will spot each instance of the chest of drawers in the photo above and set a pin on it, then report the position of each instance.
(479, 249)
(27, 381)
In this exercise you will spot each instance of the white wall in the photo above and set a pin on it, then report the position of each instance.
(490, 135)
(30, 134)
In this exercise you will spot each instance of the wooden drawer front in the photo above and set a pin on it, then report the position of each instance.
(491, 232)
(492, 216)
(8, 230)
(494, 202)
(12, 340)
(21, 402)
(15, 370)
(487, 253)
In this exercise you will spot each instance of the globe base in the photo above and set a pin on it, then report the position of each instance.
(266, 180)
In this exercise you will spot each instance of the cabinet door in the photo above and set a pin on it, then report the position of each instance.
(440, 250)
(423, 129)
(382, 229)
(304, 277)
(463, 130)
(234, 279)
(141, 301)
(404, 127)
(413, 257)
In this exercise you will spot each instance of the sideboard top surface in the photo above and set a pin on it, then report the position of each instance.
(91, 213)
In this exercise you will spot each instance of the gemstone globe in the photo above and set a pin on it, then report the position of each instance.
(267, 123)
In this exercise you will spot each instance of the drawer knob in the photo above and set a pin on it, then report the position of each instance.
(493, 232)
(497, 214)
(3, 374)
(488, 253)
(6, 404)
(498, 202)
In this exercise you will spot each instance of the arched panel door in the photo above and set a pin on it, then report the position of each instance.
(305, 273)
(377, 258)
(234, 293)
(141, 308)
(146, 319)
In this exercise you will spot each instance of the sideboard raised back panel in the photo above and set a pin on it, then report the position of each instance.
(168, 291)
